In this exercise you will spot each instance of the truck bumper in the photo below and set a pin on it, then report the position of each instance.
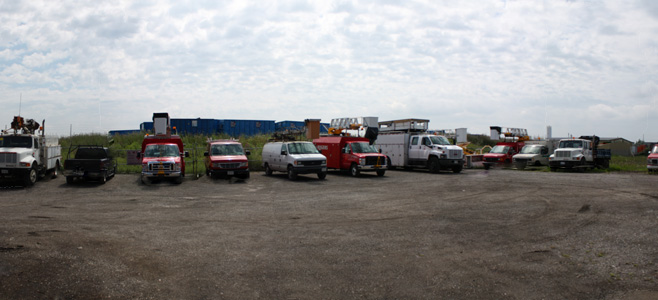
(371, 168)
(13, 173)
(309, 170)
(565, 164)
(652, 167)
(225, 172)
(83, 174)
(162, 174)
(450, 163)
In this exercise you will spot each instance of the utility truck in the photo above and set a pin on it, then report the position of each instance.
(163, 154)
(503, 152)
(407, 144)
(580, 153)
(26, 155)
(353, 153)
(534, 154)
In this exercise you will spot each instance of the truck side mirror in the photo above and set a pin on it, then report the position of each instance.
(187, 154)
(205, 153)
(380, 150)
(247, 152)
(283, 152)
(139, 155)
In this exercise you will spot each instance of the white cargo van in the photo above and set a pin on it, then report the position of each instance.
(294, 158)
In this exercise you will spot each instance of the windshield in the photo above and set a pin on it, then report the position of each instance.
(161, 150)
(229, 149)
(571, 144)
(655, 149)
(302, 148)
(439, 140)
(499, 149)
(363, 147)
(531, 150)
(16, 141)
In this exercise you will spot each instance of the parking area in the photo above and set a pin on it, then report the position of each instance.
(496, 234)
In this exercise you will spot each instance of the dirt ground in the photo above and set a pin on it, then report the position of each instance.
(497, 234)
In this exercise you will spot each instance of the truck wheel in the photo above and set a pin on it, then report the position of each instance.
(520, 166)
(322, 175)
(291, 173)
(433, 165)
(457, 169)
(55, 170)
(268, 170)
(178, 180)
(31, 177)
(354, 170)
(381, 173)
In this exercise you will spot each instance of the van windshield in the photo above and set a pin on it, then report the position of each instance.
(439, 140)
(302, 148)
(499, 149)
(363, 147)
(229, 149)
(16, 141)
(167, 150)
(531, 150)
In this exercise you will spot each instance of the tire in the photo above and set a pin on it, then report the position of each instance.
(433, 165)
(243, 176)
(457, 169)
(31, 177)
(553, 169)
(487, 166)
(354, 170)
(178, 180)
(268, 170)
(104, 178)
(291, 173)
(70, 179)
(381, 173)
(322, 175)
(520, 166)
(55, 170)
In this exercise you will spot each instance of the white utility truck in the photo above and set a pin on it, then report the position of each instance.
(408, 145)
(26, 155)
(580, 153)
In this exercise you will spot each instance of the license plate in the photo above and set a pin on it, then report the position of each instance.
(5, 171)
(230, 172)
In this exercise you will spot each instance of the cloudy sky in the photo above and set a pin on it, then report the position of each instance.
(581, 66)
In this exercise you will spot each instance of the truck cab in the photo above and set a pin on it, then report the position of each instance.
(355, 154)
(652, 160)
(163, 158)
(582, 152)
(27, 156)
(226, 158)
(502, 154)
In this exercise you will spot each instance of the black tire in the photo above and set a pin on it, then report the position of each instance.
(55, 170)
(104, 178)
(70, 179)
(487, 166)
(520, 166)
(354, 170)
(457, 169)
(553, 169)
(433, 165)
(178, 180)
(243, 176)
(268, 170)
(322, 175)
(291, 173)
(381, 173)
(31, 177)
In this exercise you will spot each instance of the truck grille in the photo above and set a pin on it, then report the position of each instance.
(522, 160)
(375, 160)
(8, 158)
(491, 159)
(229, 165)
(654, 161)
(455, 154)
(159, 166)
(311, 163)
(562, 153)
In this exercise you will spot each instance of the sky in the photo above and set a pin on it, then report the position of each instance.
(582, 66)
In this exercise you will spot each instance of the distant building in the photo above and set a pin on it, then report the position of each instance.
(618, 146)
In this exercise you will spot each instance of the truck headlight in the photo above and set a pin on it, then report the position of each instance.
(145, 167)
(177, 167)
(362, 161)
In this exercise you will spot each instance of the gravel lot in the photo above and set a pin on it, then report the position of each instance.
(497, 234)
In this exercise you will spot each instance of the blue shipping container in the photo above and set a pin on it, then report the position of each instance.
(236, 128)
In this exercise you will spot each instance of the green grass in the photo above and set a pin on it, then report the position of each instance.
(628, 164)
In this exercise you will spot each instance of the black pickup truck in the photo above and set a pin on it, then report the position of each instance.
(90, 162)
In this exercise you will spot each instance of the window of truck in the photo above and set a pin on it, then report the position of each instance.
(414, 140)
(499, 149)
(227, 149)
(167, 150)
(531, 150)
(655, 149)
(16, 141)
(363, 148)
(571, 144)
(439, 140)
(302, 148)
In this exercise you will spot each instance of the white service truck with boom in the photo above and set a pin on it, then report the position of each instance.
(580, 153)
(408, 145)
(26, 155)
